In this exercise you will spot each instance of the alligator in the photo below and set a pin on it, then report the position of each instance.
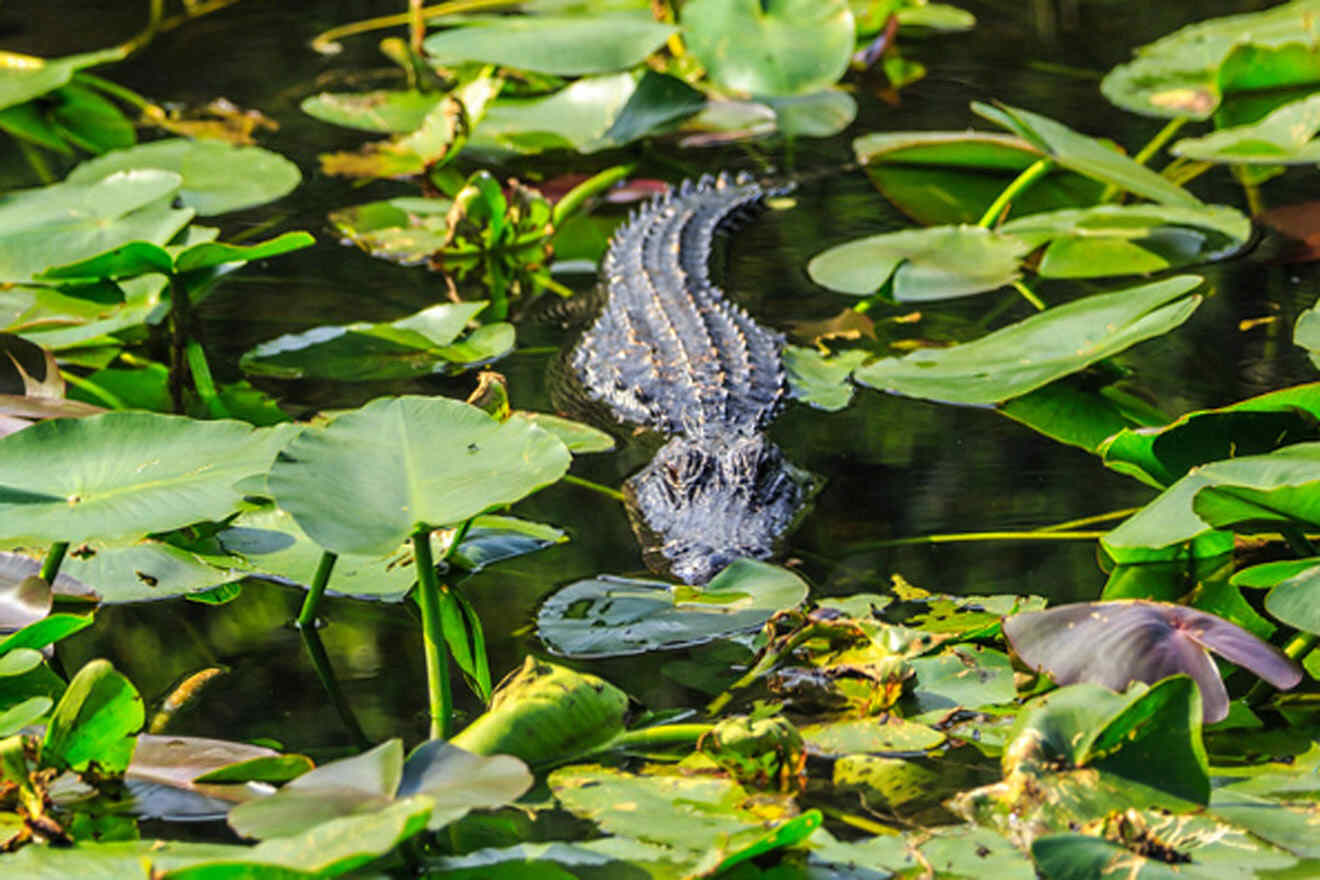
(669, 353)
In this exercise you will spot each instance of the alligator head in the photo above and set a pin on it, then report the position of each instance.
(703, 502)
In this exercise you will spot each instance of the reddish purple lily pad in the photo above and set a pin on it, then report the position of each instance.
(1117, 643)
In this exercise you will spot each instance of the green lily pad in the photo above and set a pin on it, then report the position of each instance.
(147, 571)
(567, 46)
(143, 257)
(964, 675)
(1296, 600)
(417, 345)
(1257, 425)
(387, 112)
(852, 736)
(579, 438)
(67, 222)
(407, 230)
(455, 781)
(88, 121)
(818, 114)
(611, 616)
(938, 177)
(1188, 72)
(1085, 155)
(820, 381)
(577, 117)
(1306, 333)
(94, 721)
(1130, 239)
(1271, 491)
(940, 262)
(217, 177)
(1285, 137)
(1071, 411)
(659, 101)
(546, 714)
(27, 77)
(124, 474)
(1034, 352)
(779, 47)
(374, 476)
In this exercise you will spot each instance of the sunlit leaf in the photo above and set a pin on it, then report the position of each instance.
(781, 47)
(577, 117)
(1286, 136)
(1188, 72)
(26, 77)
(608, 616)
(376, 475)
(820, 381)
(94, 721)
(566, 46)
(388, 112)
(1036, 351)
(216, 177)
(939, 262)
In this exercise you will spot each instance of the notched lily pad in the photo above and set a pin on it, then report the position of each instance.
(612, 616)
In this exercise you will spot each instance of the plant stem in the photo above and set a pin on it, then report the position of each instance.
(326, 673)
(307, 616)
(574, 199)
(156, 10)
(439, 698)
(113, 89)
(1298, 647)
(1089, 520)
(769, 657)
(1297, 541)
(859, 822)
(35, 160)
(1029, 296)
(50, 566)
(968, 537)
(326, 42)
(180, 314)
(416, 26)
(1032, 173)
(594, 487)
(660, 735)
(1162, 137)
(202, 380)
(109, 398)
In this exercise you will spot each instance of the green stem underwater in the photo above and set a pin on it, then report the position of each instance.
(1032, 173)
(594, 487)
(202, 380)
(307, 616)
(440, 699)
(574, 199)
(108, 398)
(50, 566)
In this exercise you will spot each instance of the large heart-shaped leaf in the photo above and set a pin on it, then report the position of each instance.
(374, 476)
(770, 47)
(1038, 350)
(217, 177)
(1117, 643)
(608, 616)
(124, 474)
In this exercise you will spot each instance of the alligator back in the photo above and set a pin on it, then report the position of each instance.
(670, 353)
(667, 350)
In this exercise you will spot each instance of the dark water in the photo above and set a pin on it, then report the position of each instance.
(895, 467)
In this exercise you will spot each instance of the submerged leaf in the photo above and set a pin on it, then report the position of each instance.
(1117, 643)
(610, 616)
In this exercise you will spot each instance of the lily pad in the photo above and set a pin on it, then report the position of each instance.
(454, 780)
(1188, 72)
(567, 46)
(1286, 136)
(1116, 643)
(125, 474)
(216, 177)
(938, 177)
(147, 571)
(577, 117)
(66, 222)
(387, 112)
(779, 47)
(940, 262)
(374, 476)
(1034, 352)
(1296, 600)
(820, 381)
(611, 616)
(852, 736)
(964, 675)
(1158, 456)
(1130, 239)
(27, 77)
(416, 345)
